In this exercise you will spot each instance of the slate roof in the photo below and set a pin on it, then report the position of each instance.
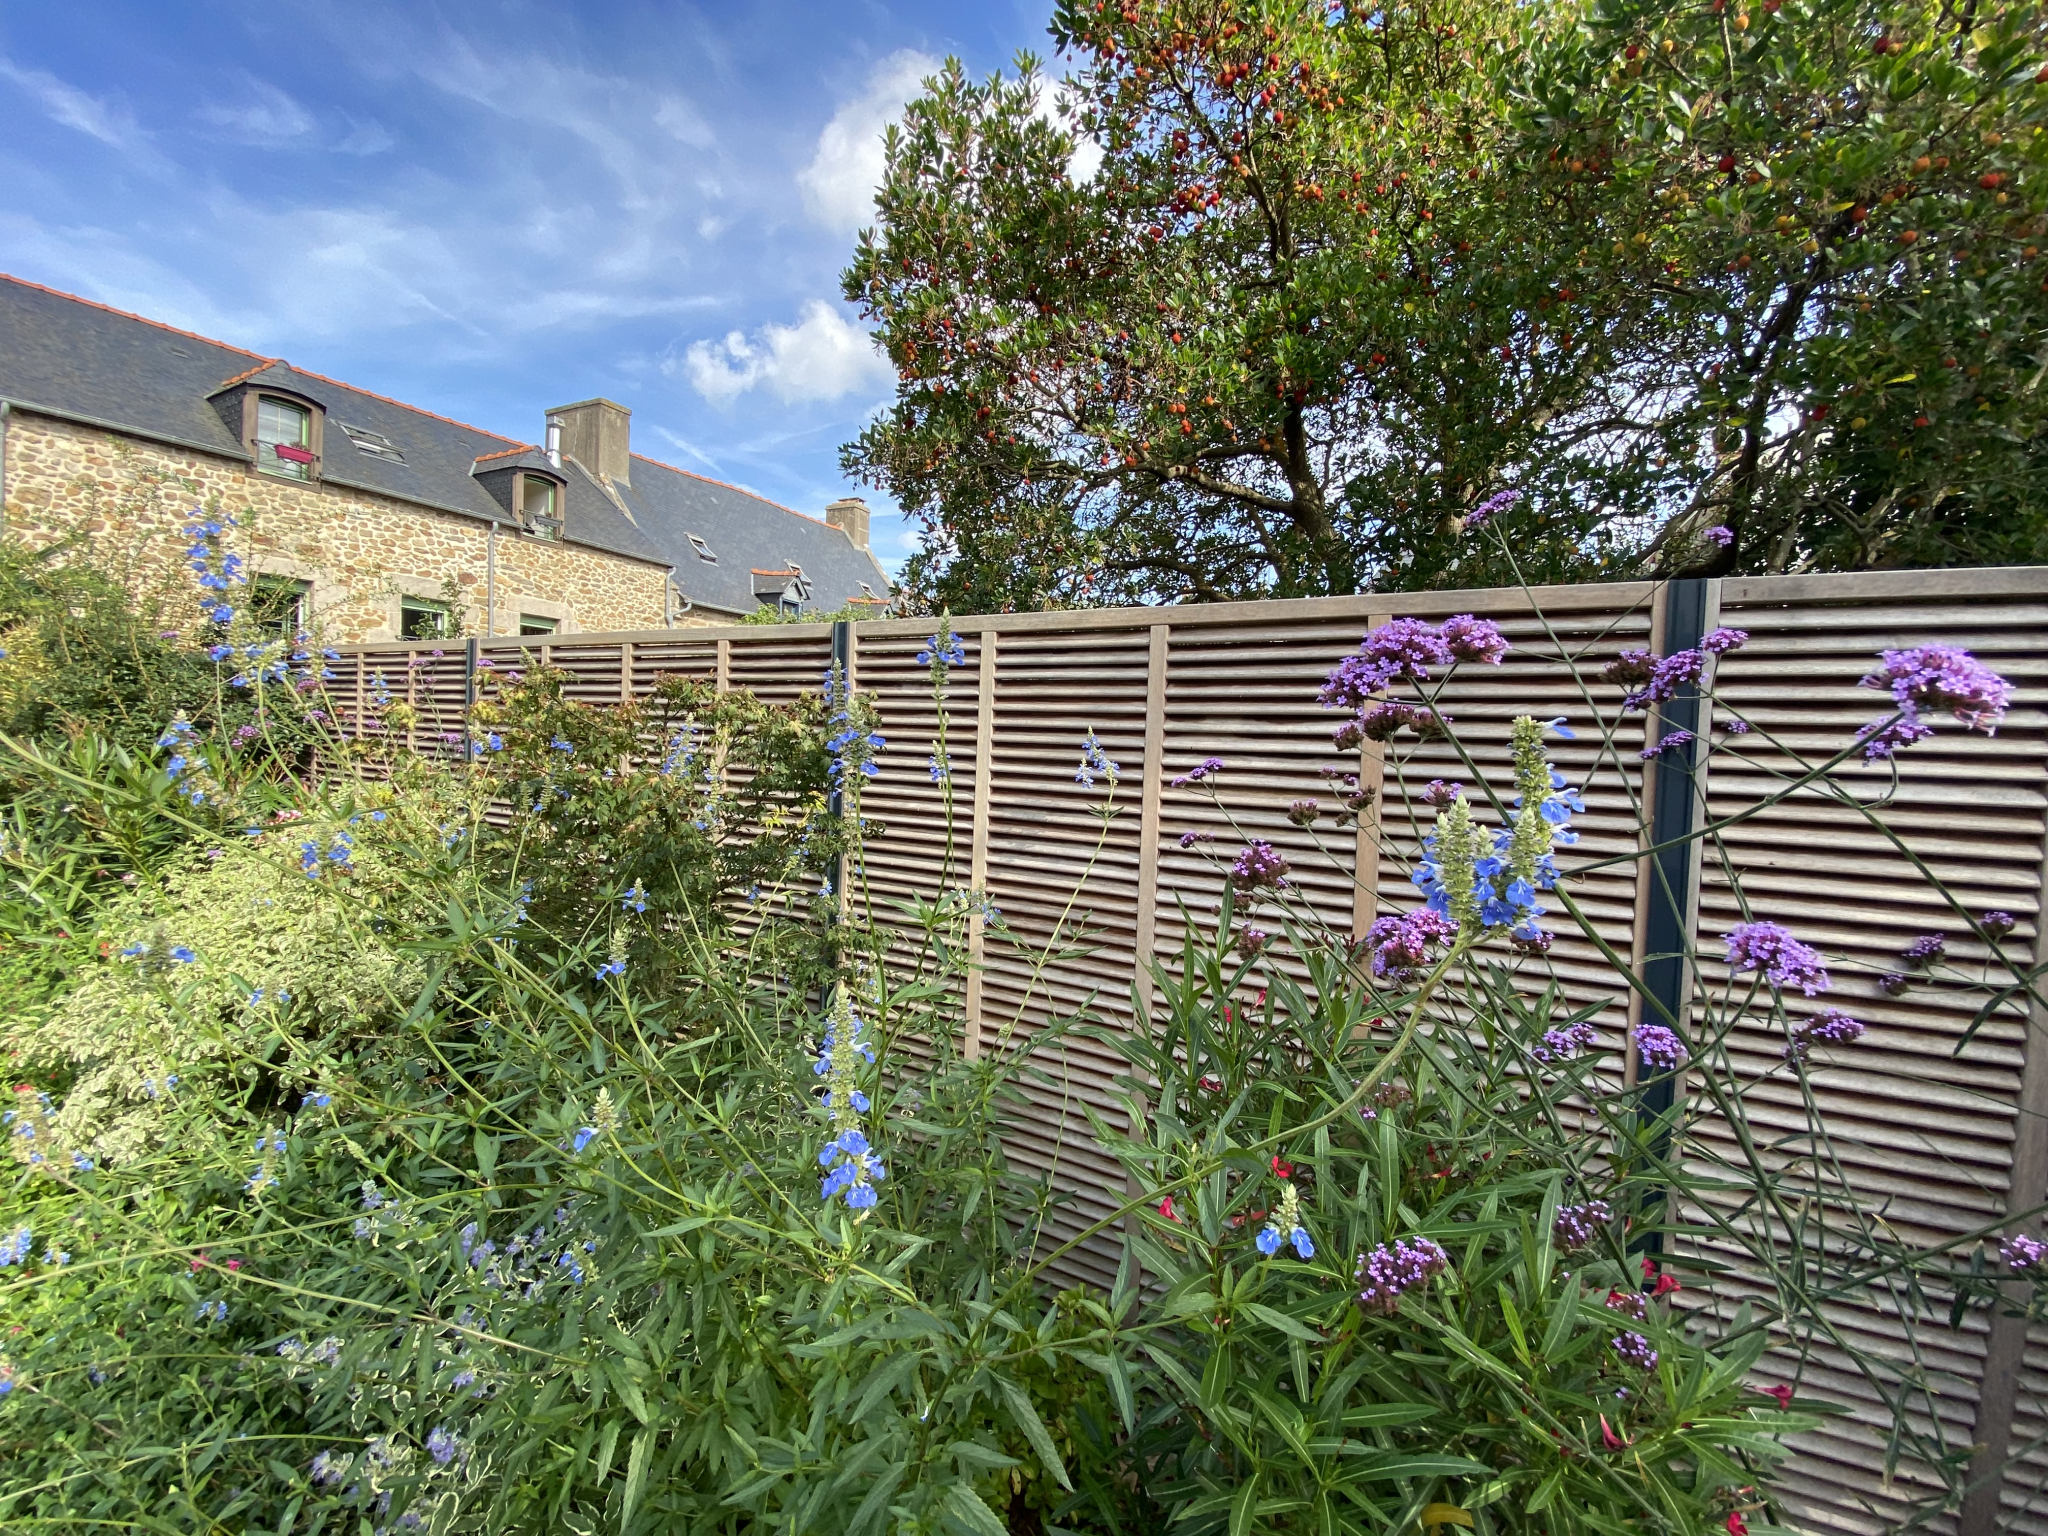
(69, 357)
(745, 531)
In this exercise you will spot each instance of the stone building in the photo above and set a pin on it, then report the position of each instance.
(370, 519)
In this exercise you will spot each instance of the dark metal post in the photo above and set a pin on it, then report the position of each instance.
(842, 678)
(1674, 818)
(468, 697)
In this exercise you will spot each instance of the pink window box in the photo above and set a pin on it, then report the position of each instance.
(289, 451)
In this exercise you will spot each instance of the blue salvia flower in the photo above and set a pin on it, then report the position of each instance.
(183, 954)
(635, 899)
(444, 1445)
(562, 744)
(1095, 762)
(1285, 1226)
(853, 1166)
(215, 1311)
(943, 649)
(16, 1248)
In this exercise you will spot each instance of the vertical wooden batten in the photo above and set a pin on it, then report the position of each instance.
(977, 858)
(2005, 1346)
(1365, 849)
(1151, 788)
(724, 681)
(625, 671)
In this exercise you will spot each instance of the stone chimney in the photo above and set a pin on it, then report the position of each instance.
(850, 514)
(597, 435)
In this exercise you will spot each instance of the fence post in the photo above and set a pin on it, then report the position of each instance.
(1365, 842)
(977, 846)
(1150, 790)
(2005, 1342)
(1675, 804)
(835, 804)
(468, 697)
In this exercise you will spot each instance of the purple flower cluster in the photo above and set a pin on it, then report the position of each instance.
(2022, 1253)
(1385, 720)
(1923, 950)
(1661, 1050)
(1440, 794)
(1635, 1349)
(1472, 639)
(1303, 813)
(1720, 535)
(1832, 1027)
(1388, 1271)
(1206, 768)
(1893, 984)
(1495, 504)
(1996, 925)
(1401, 942)
(1577, 1225)
(1629, 1304)
(1671, 739)
(1784, 961)
(1655, 680)
(1563, 1044)
(1189, 839)
(1252, 942)
(1354, 796)
(1259, 866)
(1933, 677)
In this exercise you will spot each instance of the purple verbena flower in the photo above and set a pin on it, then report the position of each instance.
(1189, 839)
(1207, 767)
(1401, 941)
(1303, 813)
(1472, 639)
(1563, 1044)
(1667, 676)
(1660, 1048)
(1892, 984)
(1440, 794)
(1928, 947)
(1996, 925)
(1385, 719)
(2021, 1253)
(1259, 866)
(1719, 642)
(1832, 1027)
(1577, 1225)
(1400, 650)
(1635, 1349)
(1630, 668)
(1629, 1304)
(1671, 739)
(1933, 677)
(1389, 1270)
(1720, 535)
(1784, 961)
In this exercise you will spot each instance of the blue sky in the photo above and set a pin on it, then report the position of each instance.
(487, 210)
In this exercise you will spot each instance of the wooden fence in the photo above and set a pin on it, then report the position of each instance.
(1946, 1141)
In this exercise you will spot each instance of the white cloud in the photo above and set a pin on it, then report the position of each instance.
(1086, 159)
(839, 183)
(68, 105)
(267, 116)
(821, 357)
(371, 138)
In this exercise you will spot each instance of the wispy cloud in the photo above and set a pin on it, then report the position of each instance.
(839, 183)
(264, 116)
(102, 119)
(821, 357)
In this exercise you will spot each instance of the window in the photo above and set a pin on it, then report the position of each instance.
(284, 439)
(421, 618)
(540, 505)
(703, 550)
(537, 624)
(375, 444)
(280, 605)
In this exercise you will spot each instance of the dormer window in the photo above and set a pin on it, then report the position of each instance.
(703, 550)
(539, 500)
(283, 439)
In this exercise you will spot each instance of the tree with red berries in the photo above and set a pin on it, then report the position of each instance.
(1346, 279)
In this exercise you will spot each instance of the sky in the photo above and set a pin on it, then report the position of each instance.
(490, 209)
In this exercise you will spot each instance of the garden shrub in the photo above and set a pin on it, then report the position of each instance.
(599, 1174)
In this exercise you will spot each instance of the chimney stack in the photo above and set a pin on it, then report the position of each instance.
(554, 441)
(850, 515)
(597, 435)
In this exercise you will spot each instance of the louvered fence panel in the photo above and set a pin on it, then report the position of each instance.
(1067, 883)
(1922, 1132)
(1920, 1126)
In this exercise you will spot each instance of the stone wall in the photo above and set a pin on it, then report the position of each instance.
(360, 551)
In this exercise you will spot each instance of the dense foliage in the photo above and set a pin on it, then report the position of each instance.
(1734, 286)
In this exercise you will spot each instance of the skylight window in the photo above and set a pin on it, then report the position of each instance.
(375, 444)
(703, 550)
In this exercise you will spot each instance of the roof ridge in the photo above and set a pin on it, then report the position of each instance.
(689, 474)
(130, 315)
(506, 453)
(266, 361)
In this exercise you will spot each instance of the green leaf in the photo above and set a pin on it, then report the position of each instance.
(636, 1475)
(1034, 1430)
(1292, 1327)
(1375, 1415)
(966, 1506)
